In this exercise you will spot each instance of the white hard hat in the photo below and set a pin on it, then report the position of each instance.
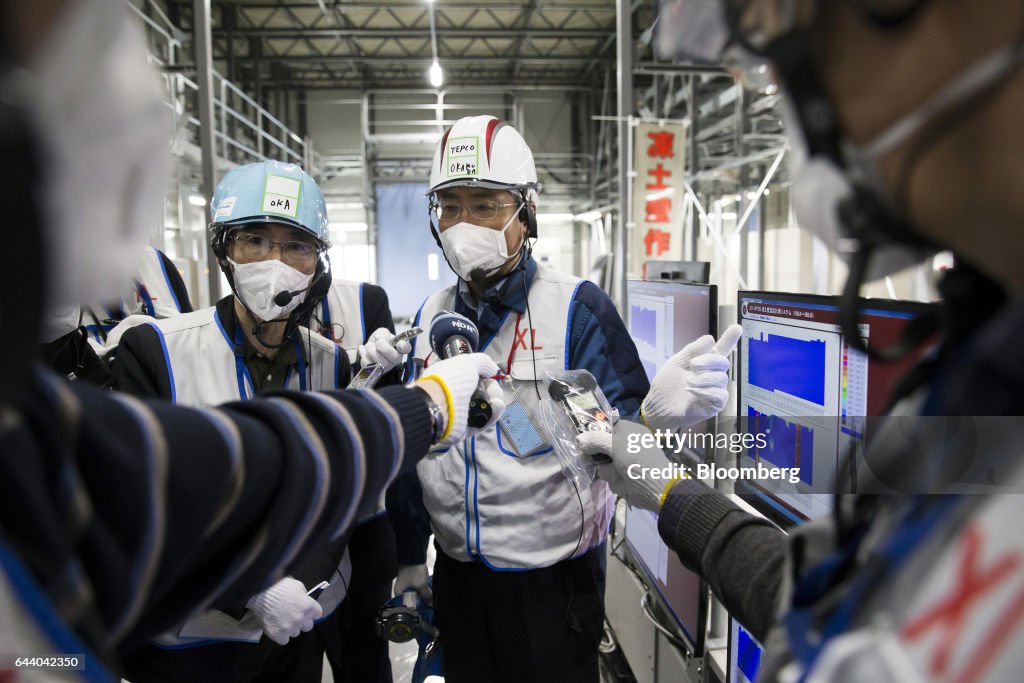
(486, 152)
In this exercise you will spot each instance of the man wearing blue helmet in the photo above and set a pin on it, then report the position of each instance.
(120, 518)
(269, 232)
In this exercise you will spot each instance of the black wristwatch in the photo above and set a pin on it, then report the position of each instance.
(436, 417)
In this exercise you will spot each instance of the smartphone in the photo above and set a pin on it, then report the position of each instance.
(369, 375)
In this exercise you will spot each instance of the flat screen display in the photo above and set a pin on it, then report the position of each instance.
(806, 392)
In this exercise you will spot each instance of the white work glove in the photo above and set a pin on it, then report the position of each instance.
(414, 577)
(637, 471)
(284, 610)
(693, 385)
(378, 350)
(459, 377)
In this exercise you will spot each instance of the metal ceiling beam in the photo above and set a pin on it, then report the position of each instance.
(419, 62)
(399, 33)
(418, 5)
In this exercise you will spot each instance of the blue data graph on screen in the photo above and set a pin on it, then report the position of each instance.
(748, 654)
(793, 366)
(789, 444)
(643, 324)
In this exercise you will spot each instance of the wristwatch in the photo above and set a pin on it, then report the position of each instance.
(436, 417)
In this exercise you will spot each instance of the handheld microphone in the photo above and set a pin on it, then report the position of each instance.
(453, 335)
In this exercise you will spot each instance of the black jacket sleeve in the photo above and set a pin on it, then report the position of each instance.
(409, 519)
(140, 367)
(377, 314)
(741, 556)
(162, 510)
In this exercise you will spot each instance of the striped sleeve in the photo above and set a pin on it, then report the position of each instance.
(134, 514)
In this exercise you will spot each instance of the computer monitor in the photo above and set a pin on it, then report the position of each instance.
(744, 655)
(679, 592)
(807, 393)
(687, 271)
(664, 317)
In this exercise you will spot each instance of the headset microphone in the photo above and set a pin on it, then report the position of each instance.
(284, 298)
(453, 335)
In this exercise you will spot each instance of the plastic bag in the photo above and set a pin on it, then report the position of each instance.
(571, 404)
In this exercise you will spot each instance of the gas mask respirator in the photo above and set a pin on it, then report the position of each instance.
(475, 252)
(270, 289)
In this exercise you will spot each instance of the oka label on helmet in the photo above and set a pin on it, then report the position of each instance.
(281, 195)
(463, 156)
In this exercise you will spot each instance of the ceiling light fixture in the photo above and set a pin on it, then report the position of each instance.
(435, 74)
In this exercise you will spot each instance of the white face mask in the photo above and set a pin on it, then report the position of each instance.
(105, 133)
(475, 250)
(817, 188)
(258, 283)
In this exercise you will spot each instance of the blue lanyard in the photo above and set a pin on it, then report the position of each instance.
(297, 345)
(325, 320)
(242, 371)
(923, 515)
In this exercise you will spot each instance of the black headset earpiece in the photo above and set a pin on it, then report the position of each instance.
(528, 215)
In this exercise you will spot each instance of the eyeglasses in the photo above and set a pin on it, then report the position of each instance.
(256, 247)
(482, 209)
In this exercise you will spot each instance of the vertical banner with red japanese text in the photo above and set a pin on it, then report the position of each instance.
(660, 163)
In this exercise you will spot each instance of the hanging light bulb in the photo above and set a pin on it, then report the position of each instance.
(436, 75)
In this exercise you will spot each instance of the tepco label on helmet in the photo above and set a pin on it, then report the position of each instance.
(224, 209)
(281, 196)
(463, 155)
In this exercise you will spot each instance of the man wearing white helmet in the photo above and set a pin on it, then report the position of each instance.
(518, 586)
(119, 518)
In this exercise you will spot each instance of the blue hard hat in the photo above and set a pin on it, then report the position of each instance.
(270, 192)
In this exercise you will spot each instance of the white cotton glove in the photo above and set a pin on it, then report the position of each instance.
(378, 350)
(693, 385)
(284, 610)
(414, 577)
(638, 471)
(459, 377)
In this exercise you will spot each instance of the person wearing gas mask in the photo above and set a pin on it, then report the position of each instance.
(269, 232)
(909, 113)
(119, 517)
(518, 585)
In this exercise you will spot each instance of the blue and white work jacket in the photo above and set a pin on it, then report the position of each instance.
(487, 501)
